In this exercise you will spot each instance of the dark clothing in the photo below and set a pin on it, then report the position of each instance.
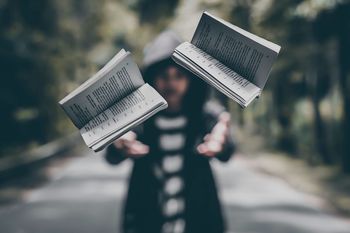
(199, 210)
(142, 213)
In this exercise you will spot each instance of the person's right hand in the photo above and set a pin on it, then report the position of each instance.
(130, 147)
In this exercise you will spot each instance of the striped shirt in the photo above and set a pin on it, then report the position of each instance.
(169, 171)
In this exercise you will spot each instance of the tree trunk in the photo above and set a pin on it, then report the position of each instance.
(344, 61)
(319, 130)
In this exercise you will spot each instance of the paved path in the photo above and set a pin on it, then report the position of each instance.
(86, 194)
(259, 203)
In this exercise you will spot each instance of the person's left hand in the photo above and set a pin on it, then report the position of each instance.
(214, 141)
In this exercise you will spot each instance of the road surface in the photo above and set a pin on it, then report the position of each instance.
(86, 194)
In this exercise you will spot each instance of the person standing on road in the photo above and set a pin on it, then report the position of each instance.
(172, 188)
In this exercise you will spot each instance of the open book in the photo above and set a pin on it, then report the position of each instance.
(232, 60)
(112, 102)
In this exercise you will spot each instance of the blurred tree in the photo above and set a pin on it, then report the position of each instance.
(305, 29)
(301, 72)
(290, 85)
(154, 11)
(335, 23)
(29, 86)
(240, 15)
(43, 44)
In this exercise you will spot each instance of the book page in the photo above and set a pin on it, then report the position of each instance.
(225, 79)
(212, 81)
(122, 113)
(247, 54)
(115, 135)
(119, 56)
(117, 82)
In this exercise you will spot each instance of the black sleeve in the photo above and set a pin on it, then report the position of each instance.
(228, 149)
(115, 156)
(229, 145)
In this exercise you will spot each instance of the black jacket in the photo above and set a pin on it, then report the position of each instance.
(203, 212)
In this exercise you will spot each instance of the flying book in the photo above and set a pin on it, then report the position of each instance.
(112, 102)
(232, 60)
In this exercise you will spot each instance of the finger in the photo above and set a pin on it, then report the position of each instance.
(119, 143)
(214, 146)
(141, 147)
(224, 117)
(207, 137)
(217, 137)
(133, 143)
(129, 136)
(138, 149)
(220, 128)
(137, 153)
(122, 142)
(206, 152)
(203, 149)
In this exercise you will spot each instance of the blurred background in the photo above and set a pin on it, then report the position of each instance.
(292, 173)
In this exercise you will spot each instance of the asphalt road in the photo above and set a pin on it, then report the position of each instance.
(86, 194)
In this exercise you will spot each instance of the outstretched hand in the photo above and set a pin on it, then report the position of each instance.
(213, 142)
(130, 147)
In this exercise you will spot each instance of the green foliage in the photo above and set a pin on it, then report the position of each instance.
(313, 65)
(39, 52)
(154, 11)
